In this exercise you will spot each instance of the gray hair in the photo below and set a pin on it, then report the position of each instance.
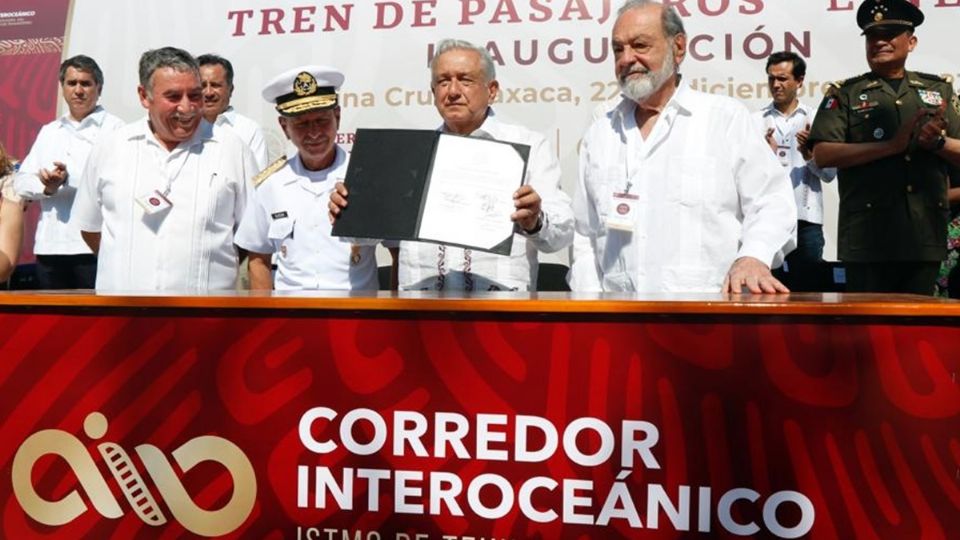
(489, 70)
(167, 57)
(670, 19)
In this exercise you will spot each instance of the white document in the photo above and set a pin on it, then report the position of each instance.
(469, 199)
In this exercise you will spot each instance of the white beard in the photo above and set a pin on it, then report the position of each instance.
(638, 89)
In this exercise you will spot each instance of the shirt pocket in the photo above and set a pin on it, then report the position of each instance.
(223, 197)
(280, 230)
(690, 180)
(866, 226)
(867, 127)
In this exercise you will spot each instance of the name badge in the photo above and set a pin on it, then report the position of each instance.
(624, 214)
(154, 202)
(783, 154)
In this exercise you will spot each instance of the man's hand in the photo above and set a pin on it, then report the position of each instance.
(338, 201)
(771, 141)
(53, 179)
(901, 141)
(527, 202)
(753, 275)
(803, 136)
(932, 129)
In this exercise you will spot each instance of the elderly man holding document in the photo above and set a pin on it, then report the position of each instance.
(464, 86)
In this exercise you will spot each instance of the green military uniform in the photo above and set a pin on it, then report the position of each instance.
(894, 208)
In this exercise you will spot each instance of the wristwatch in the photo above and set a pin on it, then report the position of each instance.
(941, 142)
(536, 228)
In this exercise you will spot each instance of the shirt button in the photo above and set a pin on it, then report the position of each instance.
(899, 102)
(906, 158)
(909, 188)
(869, 205)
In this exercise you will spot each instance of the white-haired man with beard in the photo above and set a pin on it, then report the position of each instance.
(676, 192)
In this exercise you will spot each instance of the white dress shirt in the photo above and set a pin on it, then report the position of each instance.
(805, 175)
(188, 246)
(707, 191)
(69, 142)
(287, 215)
(427, 266)
(249, 132)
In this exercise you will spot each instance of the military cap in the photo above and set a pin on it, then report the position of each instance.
(304, 89)
(888, 13)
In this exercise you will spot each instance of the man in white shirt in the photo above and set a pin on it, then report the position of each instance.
(464, 84)
(676, 192)
(216, 76)
(286, 213)
(161, 197)
(52, 171)
(785, 124)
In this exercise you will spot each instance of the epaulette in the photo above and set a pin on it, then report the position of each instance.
(852, 80)
(272, 168)
(937, 78)
(833, 87)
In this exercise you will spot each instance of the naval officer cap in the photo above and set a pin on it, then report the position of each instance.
(887, 15)
(304, 89)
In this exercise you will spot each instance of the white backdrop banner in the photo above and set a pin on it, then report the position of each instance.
(553, 57)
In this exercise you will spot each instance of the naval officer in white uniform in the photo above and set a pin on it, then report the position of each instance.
(287, 214)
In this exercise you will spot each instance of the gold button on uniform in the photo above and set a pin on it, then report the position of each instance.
(899, 102)
(909, 188)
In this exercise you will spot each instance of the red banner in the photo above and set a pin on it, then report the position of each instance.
(30, 54)
(365, 428)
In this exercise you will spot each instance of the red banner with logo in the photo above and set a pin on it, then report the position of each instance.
(31, 45)
(308, 427)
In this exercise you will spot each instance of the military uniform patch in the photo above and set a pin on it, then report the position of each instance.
(930, 97)
(830, 103)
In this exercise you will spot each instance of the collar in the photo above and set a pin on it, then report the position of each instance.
(203, 134)
(340, 156)
(228, 116)
(876, 81)
(771, 110)
(95, 117)
(682, 102)
(489, 124)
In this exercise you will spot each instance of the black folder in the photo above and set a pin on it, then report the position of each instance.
(388, 179)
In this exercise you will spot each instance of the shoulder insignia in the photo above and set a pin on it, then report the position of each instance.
(947, 78)
(832, 88)
(266, 173)
(851, 80)
(935, 78)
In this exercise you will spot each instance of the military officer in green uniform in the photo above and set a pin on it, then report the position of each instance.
(893, 135)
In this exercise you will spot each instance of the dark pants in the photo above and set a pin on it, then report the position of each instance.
(914, 277)
(805, 269)
(66, 271)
